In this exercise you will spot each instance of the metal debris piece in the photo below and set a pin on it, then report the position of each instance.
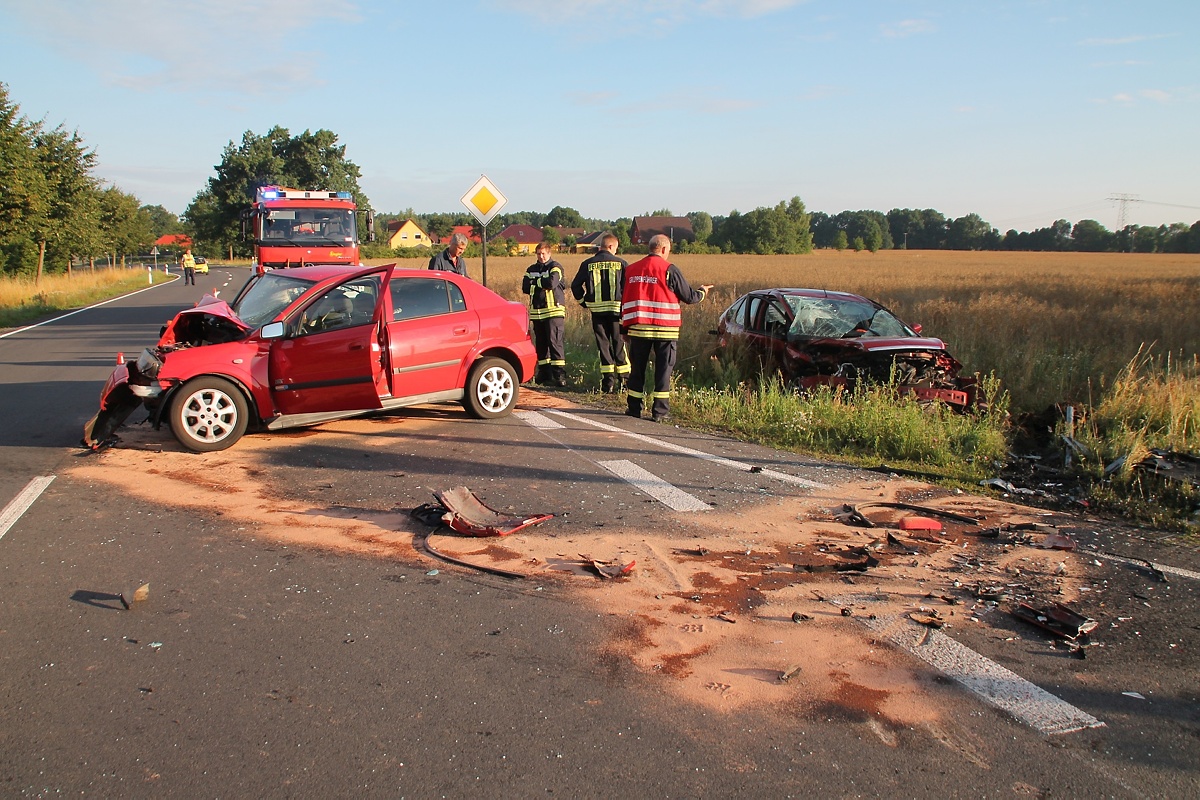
(1056, 618)
(929, 618)
(1056, 541)
(789, 673)
(467, 514)
(797, 617)
(610, 570)
(867, 562)
(724, 617)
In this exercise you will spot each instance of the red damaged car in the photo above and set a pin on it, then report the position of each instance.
(312, 344)
(814, 337)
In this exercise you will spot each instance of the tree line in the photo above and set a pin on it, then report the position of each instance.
(53, 210)
(55, 213)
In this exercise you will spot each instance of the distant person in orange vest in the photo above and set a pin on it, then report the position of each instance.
(651, 293)
(189, 268)
(450, 259)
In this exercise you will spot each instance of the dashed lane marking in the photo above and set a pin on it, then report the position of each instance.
(535, 420)
(21, 503)
(994, 684)
(1165, 568)
(664, 492)
(740, 466)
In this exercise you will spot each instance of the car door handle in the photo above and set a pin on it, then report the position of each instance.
(460, 331)
(357, 346)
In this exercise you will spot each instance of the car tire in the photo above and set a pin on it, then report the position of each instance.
(208, 414)
(492, 389)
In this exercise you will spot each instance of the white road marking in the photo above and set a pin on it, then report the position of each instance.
(78, 311)
(1165, 568)
(666, 493)
(996, 685)
(725, 462)
(21, 503)
(536, 420)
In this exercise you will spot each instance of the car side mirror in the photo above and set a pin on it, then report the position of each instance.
(916, 328)
(272, 330)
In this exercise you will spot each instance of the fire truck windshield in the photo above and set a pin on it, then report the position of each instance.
(303, 227)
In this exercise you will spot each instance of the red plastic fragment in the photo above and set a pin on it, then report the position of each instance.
(919, 524)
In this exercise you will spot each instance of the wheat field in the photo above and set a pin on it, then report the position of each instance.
(1054, 327)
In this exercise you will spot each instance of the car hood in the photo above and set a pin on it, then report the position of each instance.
(873, 344)
(210, 306)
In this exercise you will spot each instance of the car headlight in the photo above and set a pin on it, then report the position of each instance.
(149, 364)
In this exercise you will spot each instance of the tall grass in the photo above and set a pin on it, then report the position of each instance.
(1154, 404)
(22, 300)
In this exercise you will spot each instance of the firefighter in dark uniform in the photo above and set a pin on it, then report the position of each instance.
(597, 287)
(650, 317)
(543, 282)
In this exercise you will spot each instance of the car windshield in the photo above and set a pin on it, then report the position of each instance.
(304, 227)
(826, 317)
(266, 296)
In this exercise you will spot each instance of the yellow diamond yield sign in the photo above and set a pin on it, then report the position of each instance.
(484, 200)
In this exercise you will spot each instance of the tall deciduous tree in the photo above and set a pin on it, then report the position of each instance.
(68, 223)
(563, 217)
(312, 161)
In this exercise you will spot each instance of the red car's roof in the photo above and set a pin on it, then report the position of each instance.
(815, 293)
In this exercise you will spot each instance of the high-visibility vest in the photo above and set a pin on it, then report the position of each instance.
(649, 309)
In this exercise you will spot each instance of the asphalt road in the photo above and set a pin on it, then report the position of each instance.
(260, 668)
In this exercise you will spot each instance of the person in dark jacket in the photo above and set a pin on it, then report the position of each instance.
(543, 282)
(597, 287)
(451, 259)
(650, 316)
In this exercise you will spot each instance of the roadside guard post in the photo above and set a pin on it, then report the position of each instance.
(484, 201)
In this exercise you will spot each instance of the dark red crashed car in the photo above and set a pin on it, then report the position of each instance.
(312, 344)
(814, 337)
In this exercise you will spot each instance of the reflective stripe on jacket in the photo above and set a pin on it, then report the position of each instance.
(598, 284)
(649, 309)
(544, 285)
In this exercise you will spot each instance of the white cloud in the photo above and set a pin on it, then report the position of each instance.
(221, 45)
(1157, 95)
(1120, 40)
(907, 27)
(656, 12)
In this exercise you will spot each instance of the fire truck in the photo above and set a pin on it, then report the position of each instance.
(297, 228)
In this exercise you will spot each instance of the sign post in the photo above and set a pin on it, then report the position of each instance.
(484, 201)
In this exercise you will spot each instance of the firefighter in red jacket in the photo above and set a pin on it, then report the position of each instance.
(651, 293)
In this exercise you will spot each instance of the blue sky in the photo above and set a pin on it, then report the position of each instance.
(1023, 111)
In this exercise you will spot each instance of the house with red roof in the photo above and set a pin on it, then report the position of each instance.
(180, 240)
(677, 229)
(526, 237)
(466, 230)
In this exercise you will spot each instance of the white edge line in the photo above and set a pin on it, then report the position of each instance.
(21, 503)
(81, 310)
(726, 462)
